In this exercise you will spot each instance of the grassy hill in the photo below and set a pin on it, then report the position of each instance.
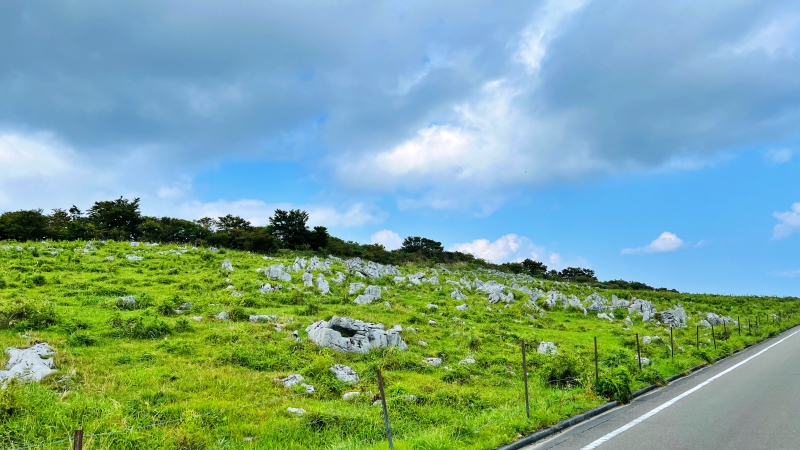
(141, 375)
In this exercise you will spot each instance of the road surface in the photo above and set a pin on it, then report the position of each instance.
(748, 401)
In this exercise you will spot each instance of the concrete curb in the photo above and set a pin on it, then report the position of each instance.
(583, 417)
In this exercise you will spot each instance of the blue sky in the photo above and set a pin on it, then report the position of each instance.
(649, 141)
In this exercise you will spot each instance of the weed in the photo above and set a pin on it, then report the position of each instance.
(615, 384)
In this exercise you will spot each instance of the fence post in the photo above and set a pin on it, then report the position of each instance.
(385, 410)
(725, 330)
(697, 337)
(525, 375)
(714, 337)
(739, 324)
(671, 344)
(638, 351)
(596, 363)
(78, 440)
(749, 328)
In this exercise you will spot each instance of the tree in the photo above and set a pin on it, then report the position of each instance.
(290, 228)
(116, 219)
(318, 238)
(415, 244)
(24, 225)
(535, 269)
(229, 223)
(578, 275)
(58, 224)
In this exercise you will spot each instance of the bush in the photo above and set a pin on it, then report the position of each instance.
(702, 353)
(3, 283)
(650, 375)
(563, 370)
(138, 329)
(81, 339)
(615, 384)
(238, 314)
(10, 400)
(27, 315)
(38, 280)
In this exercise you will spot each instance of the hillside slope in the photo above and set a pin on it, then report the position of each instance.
(178, 347)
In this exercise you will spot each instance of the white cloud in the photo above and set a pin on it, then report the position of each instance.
(789, 273)
(780, 156)
(259, 212)
(388, 238)
(667, 242)
(533, 45)
(510, 247)
(789, 222)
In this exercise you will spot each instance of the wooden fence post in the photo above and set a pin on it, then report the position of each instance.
(671, 344)
(596, 363)
(385, 410)
(714, 337)
(78, 440)
(525, 375)
(638, 351)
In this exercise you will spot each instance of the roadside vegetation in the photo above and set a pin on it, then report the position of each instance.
(147, 374)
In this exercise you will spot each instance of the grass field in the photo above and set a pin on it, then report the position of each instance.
(146, 377)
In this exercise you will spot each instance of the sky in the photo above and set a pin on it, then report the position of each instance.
(649, 141)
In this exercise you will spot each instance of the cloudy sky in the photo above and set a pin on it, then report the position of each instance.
(649, 141)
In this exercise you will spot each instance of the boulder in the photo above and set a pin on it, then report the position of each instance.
(617, 303)
(350, 395)
(308, 279)
(704, 323)
(431, 280)
(339, 278)
(463, 307)
(643, 307)
(646, 339)
(467, 360)
(458, 295)
(226, 265)
(126, 302)
(371, 293)
(675, 317)
(276, 272)
(553, 299)
(262, 318)
(299, 264)
(344, 374)
(349, 335)
(435, 362)
(605, 316)
(28, 364)
(596, 302)
(223, 316)
(296, 411)
(432, 307)
(134, 258)
(355, 287)
(546, 348)
(291, 380)
(322, 285)
(645, 361)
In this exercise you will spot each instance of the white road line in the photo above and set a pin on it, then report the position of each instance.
(666, 405)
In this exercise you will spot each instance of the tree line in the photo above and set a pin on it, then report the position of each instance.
(122, 220)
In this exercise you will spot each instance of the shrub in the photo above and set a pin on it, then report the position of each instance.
(81, 339)
(182, 325)
(238, 314)
(38, 280)
(166, 309)
(702, 353)
(615, 384)
(563, 370)
(10, 400)
(138, 329)
(27, 315)
(3, 283)
(650, 375)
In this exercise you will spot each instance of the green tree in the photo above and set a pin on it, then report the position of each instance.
(578, 275)
(535, 269)
(415, 244)
(290, 228)
(229, 223)
(117, 219)
(24, 225)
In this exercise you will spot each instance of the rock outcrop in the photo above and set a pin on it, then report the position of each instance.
(355, 336)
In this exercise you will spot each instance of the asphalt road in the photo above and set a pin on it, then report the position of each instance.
(748, 401)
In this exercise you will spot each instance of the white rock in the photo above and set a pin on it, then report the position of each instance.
(291, 380)
(646, 340)
(432, 307)
(350, 395)
(644, 307)
(196, 318)
(422, 343)
(108, 258)
(262, 318)
(308, 279)
(28, 364)
(675, 317)
(350, 335)
(226, 265)
(223, 316)
(467, 360)
(457, 295)
(344, 374)
(134, 258)
(296, 411)
(435, 362)
(431, 322)
(605, 316)
(127, 302)
(355, 287)
(645, 361)
(277, 272)
(547, 348)
(463, 307)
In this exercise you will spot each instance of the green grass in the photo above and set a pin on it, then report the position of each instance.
(149, 378)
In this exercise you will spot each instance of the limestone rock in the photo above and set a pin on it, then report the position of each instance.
(308, 279)
(262, 318)
(350, 335)
(463, 307)
(296, 411)
(675, 317)
(435, 362)
(432, 307)
(596, 302)
(646, 339)
(134, 258)
(704, 323)
(355, 287)
(644, 307)
(467, 360)
(617, 303)
(645, 361)
(226, 265)
(126, 302)
(291, 380)
(431, 322)
(339, 278)
(28, 364)
(350, 395)
(605, 316)
(223, 316)
(344, 374)
(422, 343)
(322, 285)
(458, 295)
(276, 272)
(547, 348)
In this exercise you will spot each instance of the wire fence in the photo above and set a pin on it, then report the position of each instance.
(512, 409)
